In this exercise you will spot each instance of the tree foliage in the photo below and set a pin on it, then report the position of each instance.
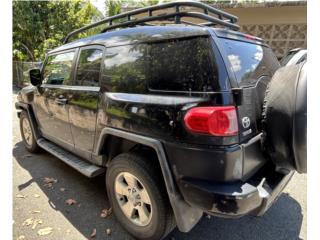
(114, 7)
(42, 25)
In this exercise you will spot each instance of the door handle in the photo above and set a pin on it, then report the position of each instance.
(61, 101)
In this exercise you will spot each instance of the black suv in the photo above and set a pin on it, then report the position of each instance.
(174, 112)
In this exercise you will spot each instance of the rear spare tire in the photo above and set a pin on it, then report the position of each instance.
(284, 118)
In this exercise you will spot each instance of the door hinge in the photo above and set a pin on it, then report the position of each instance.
(237, 95)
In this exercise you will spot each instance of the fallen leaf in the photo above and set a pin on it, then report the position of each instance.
(22, 237)
(62, 189)
(106, 212)
(36, 195)
(36, 222)
(94, 233)
(27, 222)
(35, 211)
(20, 196)
(48, 185)
(71, 201)
(108, 231)
(45, 231)
(208, 216)
(49, 180)
(32, 221)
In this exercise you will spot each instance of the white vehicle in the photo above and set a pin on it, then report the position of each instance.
(294, 56)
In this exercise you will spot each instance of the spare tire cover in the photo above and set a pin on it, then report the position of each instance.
(285, 118)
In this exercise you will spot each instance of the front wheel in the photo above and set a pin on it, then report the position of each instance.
(27, 135)
(138, 197)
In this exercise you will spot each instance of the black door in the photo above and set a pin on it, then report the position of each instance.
(83, 104)
(50, 103)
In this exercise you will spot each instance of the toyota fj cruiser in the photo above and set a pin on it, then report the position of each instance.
(185, 118)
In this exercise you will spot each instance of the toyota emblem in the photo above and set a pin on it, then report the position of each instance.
(246, 122)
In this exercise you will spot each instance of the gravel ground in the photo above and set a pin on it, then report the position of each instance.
(286, 219)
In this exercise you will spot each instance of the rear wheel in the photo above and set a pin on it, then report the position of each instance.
(138, 196)
(27, 135)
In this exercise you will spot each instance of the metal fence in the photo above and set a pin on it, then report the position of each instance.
(20, 72)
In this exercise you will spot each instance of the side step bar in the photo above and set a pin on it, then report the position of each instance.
(87, 169)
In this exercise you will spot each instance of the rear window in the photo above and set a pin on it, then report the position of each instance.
(250, 61)
(183, 65)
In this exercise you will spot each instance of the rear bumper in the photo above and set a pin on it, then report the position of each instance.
(229, 181)
(220, 164)
(234, 200)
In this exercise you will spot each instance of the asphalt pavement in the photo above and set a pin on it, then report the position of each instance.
(42, 184)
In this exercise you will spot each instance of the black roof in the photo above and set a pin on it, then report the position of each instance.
(137, 34)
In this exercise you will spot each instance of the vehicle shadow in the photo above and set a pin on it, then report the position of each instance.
(89, 193)
(282, 221)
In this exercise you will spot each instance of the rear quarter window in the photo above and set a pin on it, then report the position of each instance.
(250, 61)
(183, 65)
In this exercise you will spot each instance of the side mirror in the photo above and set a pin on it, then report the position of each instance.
(35, 77)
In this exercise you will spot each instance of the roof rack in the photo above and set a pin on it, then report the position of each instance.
(220, 17)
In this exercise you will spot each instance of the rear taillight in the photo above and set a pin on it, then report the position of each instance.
(218, 121)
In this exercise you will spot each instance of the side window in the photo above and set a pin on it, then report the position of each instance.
(58, 69)
(183, 65)
(125, 69)
(88, 70)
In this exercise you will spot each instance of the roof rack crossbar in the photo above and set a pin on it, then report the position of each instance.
(212, 20)
(222, 18)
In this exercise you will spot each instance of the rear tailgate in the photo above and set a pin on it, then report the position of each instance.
(252, 64)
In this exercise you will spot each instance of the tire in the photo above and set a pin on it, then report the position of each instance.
(27, 135)
(160, 216)
(284, 118)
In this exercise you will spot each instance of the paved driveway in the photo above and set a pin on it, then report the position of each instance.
(286, 219)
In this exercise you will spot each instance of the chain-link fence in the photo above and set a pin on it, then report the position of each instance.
(20, 72)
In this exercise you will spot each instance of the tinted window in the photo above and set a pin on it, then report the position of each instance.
(179, 65)
(58, 69)
(250, 61)
(125, 68)
(183, 65)
(287, 58)
(88, 70)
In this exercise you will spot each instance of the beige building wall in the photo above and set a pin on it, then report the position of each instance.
(282, 27)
